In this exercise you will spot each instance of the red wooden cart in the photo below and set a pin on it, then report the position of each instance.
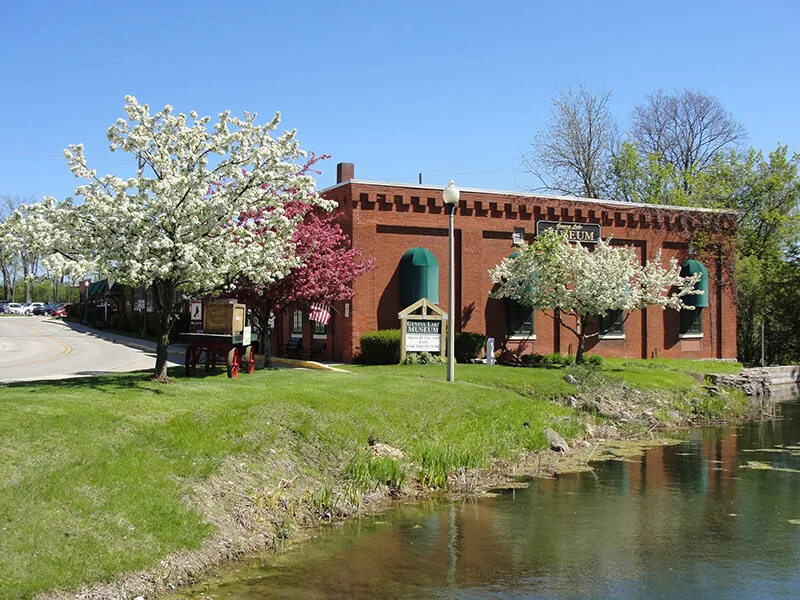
(233, 351)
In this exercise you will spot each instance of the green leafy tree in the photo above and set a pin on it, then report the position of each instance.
(766, 194)
(645, 178)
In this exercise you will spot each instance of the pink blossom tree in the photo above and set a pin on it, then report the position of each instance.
(330, 265)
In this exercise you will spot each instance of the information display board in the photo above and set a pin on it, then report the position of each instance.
(423, 336)
(423, 326)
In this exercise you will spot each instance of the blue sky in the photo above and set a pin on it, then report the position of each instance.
(453, 91)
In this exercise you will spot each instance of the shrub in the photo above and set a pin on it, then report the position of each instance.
(468, 345)
(559, 360)
(423, 358)
(76, 312)
(532, 359)
(593, 361)
(381, 347)
(95, 314)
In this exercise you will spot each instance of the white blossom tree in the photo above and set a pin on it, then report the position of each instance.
(26, 235)
(185, 224)
(552, 274)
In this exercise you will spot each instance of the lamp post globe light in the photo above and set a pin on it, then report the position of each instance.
(450, 195)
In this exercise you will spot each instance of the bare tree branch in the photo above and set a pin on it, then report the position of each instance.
(686, 129)
(571, 153)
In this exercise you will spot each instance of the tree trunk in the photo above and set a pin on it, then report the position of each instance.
(264, 333)
(144, 320)
(581, 345)
(165, 300)
(27, 283)
(6, 278)
(581, 340)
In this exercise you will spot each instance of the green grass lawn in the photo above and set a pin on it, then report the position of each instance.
(665, 373)
(96, 474)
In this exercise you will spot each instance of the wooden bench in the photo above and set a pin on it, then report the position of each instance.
(294, 347)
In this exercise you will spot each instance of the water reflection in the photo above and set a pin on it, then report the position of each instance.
(682, 521)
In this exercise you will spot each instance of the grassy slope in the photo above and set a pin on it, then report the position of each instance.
(665, 373)
(95, 474)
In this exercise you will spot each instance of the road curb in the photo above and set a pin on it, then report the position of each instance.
(305, 364)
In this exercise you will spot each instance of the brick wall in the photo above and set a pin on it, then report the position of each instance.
(386, 220)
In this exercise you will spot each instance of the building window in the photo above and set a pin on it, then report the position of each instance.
(297, 322)
(613, 324)
(692, 322)
(519, 320)
(320, 328)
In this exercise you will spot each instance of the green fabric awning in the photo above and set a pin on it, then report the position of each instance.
(419, 276)
(693, 267)
(98, 287)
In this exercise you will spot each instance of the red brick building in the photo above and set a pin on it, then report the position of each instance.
(388, 220)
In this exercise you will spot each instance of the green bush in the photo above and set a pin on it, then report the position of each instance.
(76, 312)
(423, 358)
(558, 360)
(468, 345)
(380, 347)
(593, 361)
(96, 314)
(532, 359)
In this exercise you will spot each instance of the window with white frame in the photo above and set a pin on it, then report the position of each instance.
(297, 322)
(612, 324)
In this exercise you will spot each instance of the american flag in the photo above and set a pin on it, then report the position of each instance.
(320, 312)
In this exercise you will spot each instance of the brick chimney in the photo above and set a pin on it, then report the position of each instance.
(345, 172)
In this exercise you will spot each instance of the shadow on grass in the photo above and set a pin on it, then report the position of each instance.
(138, 380)
(110, 381)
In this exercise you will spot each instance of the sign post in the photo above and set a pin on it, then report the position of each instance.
(423, 328)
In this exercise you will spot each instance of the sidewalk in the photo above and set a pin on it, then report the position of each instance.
(175, 349)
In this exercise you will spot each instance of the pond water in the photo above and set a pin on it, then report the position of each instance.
(683, 521)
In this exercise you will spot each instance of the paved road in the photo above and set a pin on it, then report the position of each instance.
(34, 348)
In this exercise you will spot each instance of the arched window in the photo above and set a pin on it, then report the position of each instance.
(692, 320)
(419, 276)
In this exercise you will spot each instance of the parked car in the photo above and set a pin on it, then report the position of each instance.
(15, 308)
(62, 310)
(29, 308)
(44, 309)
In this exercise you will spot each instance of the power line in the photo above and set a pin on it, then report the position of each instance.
(30, 153)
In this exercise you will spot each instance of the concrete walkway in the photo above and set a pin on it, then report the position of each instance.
(177, 351)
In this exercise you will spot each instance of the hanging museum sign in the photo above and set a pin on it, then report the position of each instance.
(423, 326)
(585, 233)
